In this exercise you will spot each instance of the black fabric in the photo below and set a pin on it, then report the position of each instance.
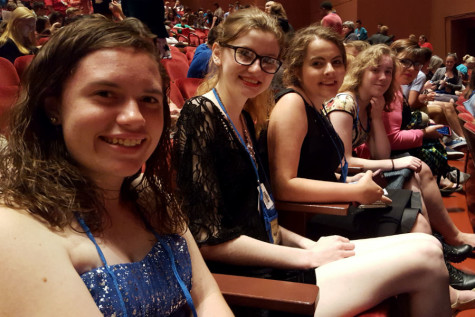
(370, 223)
(319, 158)
(150, 12)
(217, 184)
(432, 152)
(10, 51)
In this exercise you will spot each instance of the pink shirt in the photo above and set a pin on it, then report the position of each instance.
(400, 139)
(333, 20)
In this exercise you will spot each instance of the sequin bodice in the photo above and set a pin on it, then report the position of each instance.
(149, 287)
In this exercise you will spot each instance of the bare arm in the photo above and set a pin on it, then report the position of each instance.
(205, 292)
(38, 277)
(378, 141)
(287, 130)
(343, 124)
(245, 250)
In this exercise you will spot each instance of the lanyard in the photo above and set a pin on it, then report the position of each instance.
(343, 162)
(239, 136)
(169, 252)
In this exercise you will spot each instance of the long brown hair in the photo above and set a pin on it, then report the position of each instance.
(36, 171)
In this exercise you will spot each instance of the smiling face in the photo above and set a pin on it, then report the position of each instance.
(240, 80)
(322, 71)
(377, 79)
(449, 62)
(406, 75)
(111, 114)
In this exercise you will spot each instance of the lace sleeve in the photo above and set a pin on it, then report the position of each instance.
(196, 180)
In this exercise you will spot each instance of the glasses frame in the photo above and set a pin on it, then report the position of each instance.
(257, 57)
(416, 65)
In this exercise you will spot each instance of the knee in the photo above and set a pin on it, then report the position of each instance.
(425, 173)
(430, 258)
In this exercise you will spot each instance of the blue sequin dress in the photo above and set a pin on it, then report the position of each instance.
(148, 287)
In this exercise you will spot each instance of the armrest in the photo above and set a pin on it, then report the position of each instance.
(352, 169)
(284, 296)
(339, 209)
(295, 215)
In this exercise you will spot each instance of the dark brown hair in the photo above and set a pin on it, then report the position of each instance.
(37, 172)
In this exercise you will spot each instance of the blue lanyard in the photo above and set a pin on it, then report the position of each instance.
(163, 243)
(237, 133)
(343, 162)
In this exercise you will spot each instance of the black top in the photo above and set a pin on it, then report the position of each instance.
(319, 155)
(10, 51)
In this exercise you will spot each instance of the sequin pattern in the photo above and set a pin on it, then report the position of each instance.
(149, 287)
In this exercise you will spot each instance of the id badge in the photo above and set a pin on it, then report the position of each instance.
(267, 208)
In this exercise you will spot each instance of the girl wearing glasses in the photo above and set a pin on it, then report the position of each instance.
(224, 190)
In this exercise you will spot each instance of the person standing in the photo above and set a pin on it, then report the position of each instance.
(330, 18)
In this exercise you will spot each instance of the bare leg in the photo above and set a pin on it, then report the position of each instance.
(414, 266)
(452, 118)
(438, 215)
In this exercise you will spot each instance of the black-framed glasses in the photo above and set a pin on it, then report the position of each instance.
(246, 56)
(407, 63)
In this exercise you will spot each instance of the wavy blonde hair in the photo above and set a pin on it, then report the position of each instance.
(370, 57)
(238, 24)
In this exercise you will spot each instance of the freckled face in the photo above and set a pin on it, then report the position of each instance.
(111, 112)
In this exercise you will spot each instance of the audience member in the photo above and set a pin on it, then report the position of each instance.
(151, 13)
(469, 95)
(19, 36)
(381, 37)
(434, 64)
(423, 42)
(468, 63)
(115, 239)
(348, 31)
(447, 79)
(361, 31)
(200, 62)
(330, 18)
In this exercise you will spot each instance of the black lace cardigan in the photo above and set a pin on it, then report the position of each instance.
(216, 181)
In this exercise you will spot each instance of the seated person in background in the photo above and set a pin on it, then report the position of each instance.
(447, 80)
(224, 191)
(19, 36)
(348, 30)
(381, 38)
(423, 42)
(71, 188)
(200, 62)
(434, 64)
(183, 25)
(469, 95)
(468, 63)
(360, 31)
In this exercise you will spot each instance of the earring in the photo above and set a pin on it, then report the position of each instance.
(54, 120)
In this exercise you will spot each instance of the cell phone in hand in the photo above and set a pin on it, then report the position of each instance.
(445, 131)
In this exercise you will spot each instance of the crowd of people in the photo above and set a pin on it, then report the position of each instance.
(133, 221)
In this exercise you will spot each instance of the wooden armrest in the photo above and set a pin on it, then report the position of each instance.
(352, 169)
(284, 296)
(295, 215)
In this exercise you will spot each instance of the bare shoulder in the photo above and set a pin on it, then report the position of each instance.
(37, 276)
(290, 108)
